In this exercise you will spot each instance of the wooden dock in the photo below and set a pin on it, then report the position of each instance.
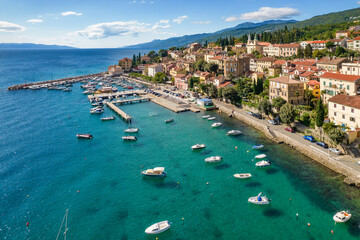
(131, 101)
(122, 114)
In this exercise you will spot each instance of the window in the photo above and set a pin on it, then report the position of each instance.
(352, 110)
(343, 107)
(334, 105)
(334, 114)
(343, 116)
(324, 83)
(348, 87)
(329, 84)
(352, 119)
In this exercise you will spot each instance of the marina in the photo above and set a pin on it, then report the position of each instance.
(122, 114)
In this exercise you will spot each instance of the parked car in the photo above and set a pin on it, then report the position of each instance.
(322, 144)
(249, 112)
(273, 122)
(289, 129)
(257, 115)
(309, 138)
(336, 151)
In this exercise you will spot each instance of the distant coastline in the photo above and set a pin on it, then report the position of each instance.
(29, 46)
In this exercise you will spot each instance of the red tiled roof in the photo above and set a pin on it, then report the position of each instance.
(317, 41)
(280, 62)
(264, 43)
(350, 101)
(313, 83)
(306, 74)
(125, 59)
(284, 79)
(338, 76)
(357, 38)
(224, 84)
(266, 59)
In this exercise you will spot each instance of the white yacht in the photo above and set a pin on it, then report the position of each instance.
(158, 227)
(206, 116)
(132, 130)
(342, 216)
(156, 172)
(211, 118)
(260, 200)
(213, 159)
(96, 111)
(129, 138)
(242, 175)
(260, 156)
(234, 132)
(169, 120)
(108, 118)
(198, 146)
(263, 163)
(215, 125)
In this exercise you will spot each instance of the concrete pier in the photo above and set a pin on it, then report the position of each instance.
(131, 101)
(115, 94)
(122, 114)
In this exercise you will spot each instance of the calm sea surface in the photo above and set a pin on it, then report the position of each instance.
(45, 169)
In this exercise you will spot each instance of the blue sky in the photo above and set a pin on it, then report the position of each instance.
(116, 23)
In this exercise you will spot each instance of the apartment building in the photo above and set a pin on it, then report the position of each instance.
(345, 110)
(292, 91)
(331, 64)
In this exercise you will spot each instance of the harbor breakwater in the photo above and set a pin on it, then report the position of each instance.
(352, 176)
(61, 80)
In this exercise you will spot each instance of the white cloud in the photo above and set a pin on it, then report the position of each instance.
(71, 13)
(358, 2)
(34, 21)
(201, 22)
(179, 20)
(10, 27)
(165, 21)
(266, 13)
(105, 30)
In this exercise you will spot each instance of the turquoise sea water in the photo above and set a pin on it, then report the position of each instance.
(45, 169)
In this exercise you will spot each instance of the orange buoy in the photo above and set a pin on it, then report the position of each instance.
(27, 224)
(235, 147)
(332, 231)
(78, 191)
(290, 199)
(309, 224)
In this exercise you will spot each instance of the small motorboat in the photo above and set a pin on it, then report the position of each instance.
(263, 163)
(86, 136)
(257, 147)
(108, 118)
(234, 132)
(211, 118)
(215, 125)
(206, 116)
(156, 172)
(96, 111)
(213, 159)
(89, 92)
(242, 175)
(132, 130)
(198, 146)
(169, 120)
(67, 90)
(129, 138)
(260, 200)
(260, 156)
(97, 104)
(342, 216)
(158, 227)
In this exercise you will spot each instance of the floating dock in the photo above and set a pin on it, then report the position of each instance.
(131, 101)
(122, 114)
(115, 94)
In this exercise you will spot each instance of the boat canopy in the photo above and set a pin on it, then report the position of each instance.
(159, 169)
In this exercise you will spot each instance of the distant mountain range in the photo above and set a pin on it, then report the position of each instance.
(31, 46)
(249, 27)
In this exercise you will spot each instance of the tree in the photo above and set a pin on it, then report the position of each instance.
(278, 103)
(231, 94)
(211, 67)
(163, 53)
(220, 92)
(152, 55)
(320, 115)
(308, 51)
(329, 44)
(172, 48)
(212, 91)
(317, 54)
(199, 65)
(203, 87)
(300, 53)
(265, 107)
(160, 77)
(339, 51)
(192, 81)
(308, 96)
(336, 135)
(287, 113)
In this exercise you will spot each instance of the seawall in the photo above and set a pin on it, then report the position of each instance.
(352, 175)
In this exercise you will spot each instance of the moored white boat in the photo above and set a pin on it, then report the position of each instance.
(169, 120)
(234, 132)
(215, 125)
(260, 200)
(211, 118)
(342, 216)
(260, 156)
(257, 146)
(242, 175)
(213, 159)
(263, 164)
(158, 227)
(108, 118)
(198, 146)
(129, 138)
(156, 172)
(132, 130)
(86, 136)
(96, 111)
(206, 116)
